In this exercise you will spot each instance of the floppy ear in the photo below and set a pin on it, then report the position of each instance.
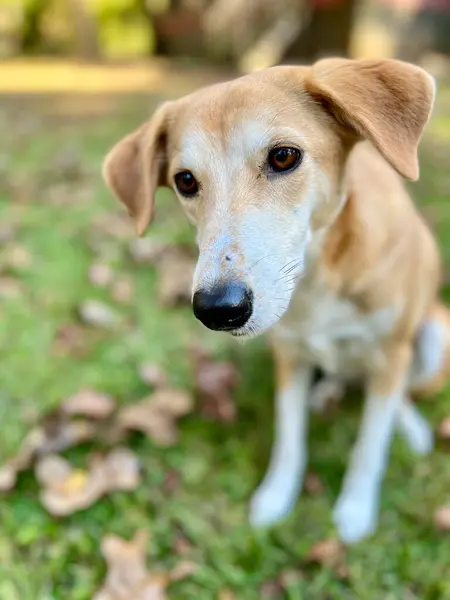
(385, 101)
(137, 165)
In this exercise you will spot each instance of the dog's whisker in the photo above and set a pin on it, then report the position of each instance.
(262, 258)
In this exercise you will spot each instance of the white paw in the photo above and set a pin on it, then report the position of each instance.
(355, 518)
(271, 502)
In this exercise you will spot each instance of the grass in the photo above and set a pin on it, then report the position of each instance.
(41, 558)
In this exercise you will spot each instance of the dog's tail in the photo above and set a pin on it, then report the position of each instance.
(431, 365)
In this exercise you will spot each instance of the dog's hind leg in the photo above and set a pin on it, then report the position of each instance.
(431, 362)
(430, 369)
(414, 428)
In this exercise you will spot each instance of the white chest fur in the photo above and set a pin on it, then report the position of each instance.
(331, 332)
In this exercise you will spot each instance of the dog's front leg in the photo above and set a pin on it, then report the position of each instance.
(277, 494)
(356, 511)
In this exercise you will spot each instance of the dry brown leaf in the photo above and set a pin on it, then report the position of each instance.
(152, 374)
(55, 434)
(444, 429)
(271, 590)
(215, 382)
(115, 225)
(172, 481)
(70, 339)
(156, 415)
(100, 275)
(128, 577)
(146, 250)
(226, 595)
(329, 553)
(122, 290)
(291, 578)
(184, 569)
(98, 314)
(17, 257)
(442, 518)
(175, 273)
(67, 490)
(89, 403)
(7, 233)
(181, 544)
(313, 484)
(10, 287)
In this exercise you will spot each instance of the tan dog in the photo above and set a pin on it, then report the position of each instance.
(305, 230)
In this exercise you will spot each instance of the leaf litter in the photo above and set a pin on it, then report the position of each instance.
(87, 416)
(128, 576)
(66, 489)
(175, 265)
(214, 385)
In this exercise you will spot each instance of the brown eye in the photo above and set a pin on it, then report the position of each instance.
(284, 159)
(186, 183)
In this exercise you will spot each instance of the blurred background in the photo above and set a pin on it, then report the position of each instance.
(131, 437)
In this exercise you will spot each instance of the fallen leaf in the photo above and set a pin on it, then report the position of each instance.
(329, 553)
(67, 490)
(100, 275)
(313, 484)
(128, 577)
(271, 590)
(183, 570)
(444, 429)
(153, 375)
(98, 314)
(171, 482)
(214, 383)
(89, 403)
(56, 433)
(175, 274)
(70, 339)
(157, 414)
(181, 544)
(146, 250)
(442, 518)
(16, 257)
(291, 578)
(10, 287)
(66, 164)
(7, 233)
(113, 224)
(122, 290)
(226, 595)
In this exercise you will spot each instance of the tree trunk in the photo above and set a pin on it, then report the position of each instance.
(86, 31)
(31, 33)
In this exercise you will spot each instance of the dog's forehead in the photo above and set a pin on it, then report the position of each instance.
(240, 115)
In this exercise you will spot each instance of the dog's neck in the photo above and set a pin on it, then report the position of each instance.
(328, 240)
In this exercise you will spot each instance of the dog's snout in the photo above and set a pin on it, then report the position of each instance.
(224, 307)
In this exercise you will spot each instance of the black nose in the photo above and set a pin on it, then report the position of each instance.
(224, 307)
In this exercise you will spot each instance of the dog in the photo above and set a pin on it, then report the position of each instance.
(293, 177)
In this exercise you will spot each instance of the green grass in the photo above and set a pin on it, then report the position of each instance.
(42, 558)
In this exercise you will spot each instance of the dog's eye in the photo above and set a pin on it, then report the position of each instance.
(284, 158)
(186, 183)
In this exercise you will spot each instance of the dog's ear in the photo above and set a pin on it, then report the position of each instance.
(137, 165)
(385, 101)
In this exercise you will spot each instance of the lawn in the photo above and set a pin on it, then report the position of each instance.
(56, 219)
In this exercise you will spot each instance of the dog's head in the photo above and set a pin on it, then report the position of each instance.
(258, 163)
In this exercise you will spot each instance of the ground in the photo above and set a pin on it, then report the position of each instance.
(53, 200)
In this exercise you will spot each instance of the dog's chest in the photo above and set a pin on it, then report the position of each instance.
(330, 332)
